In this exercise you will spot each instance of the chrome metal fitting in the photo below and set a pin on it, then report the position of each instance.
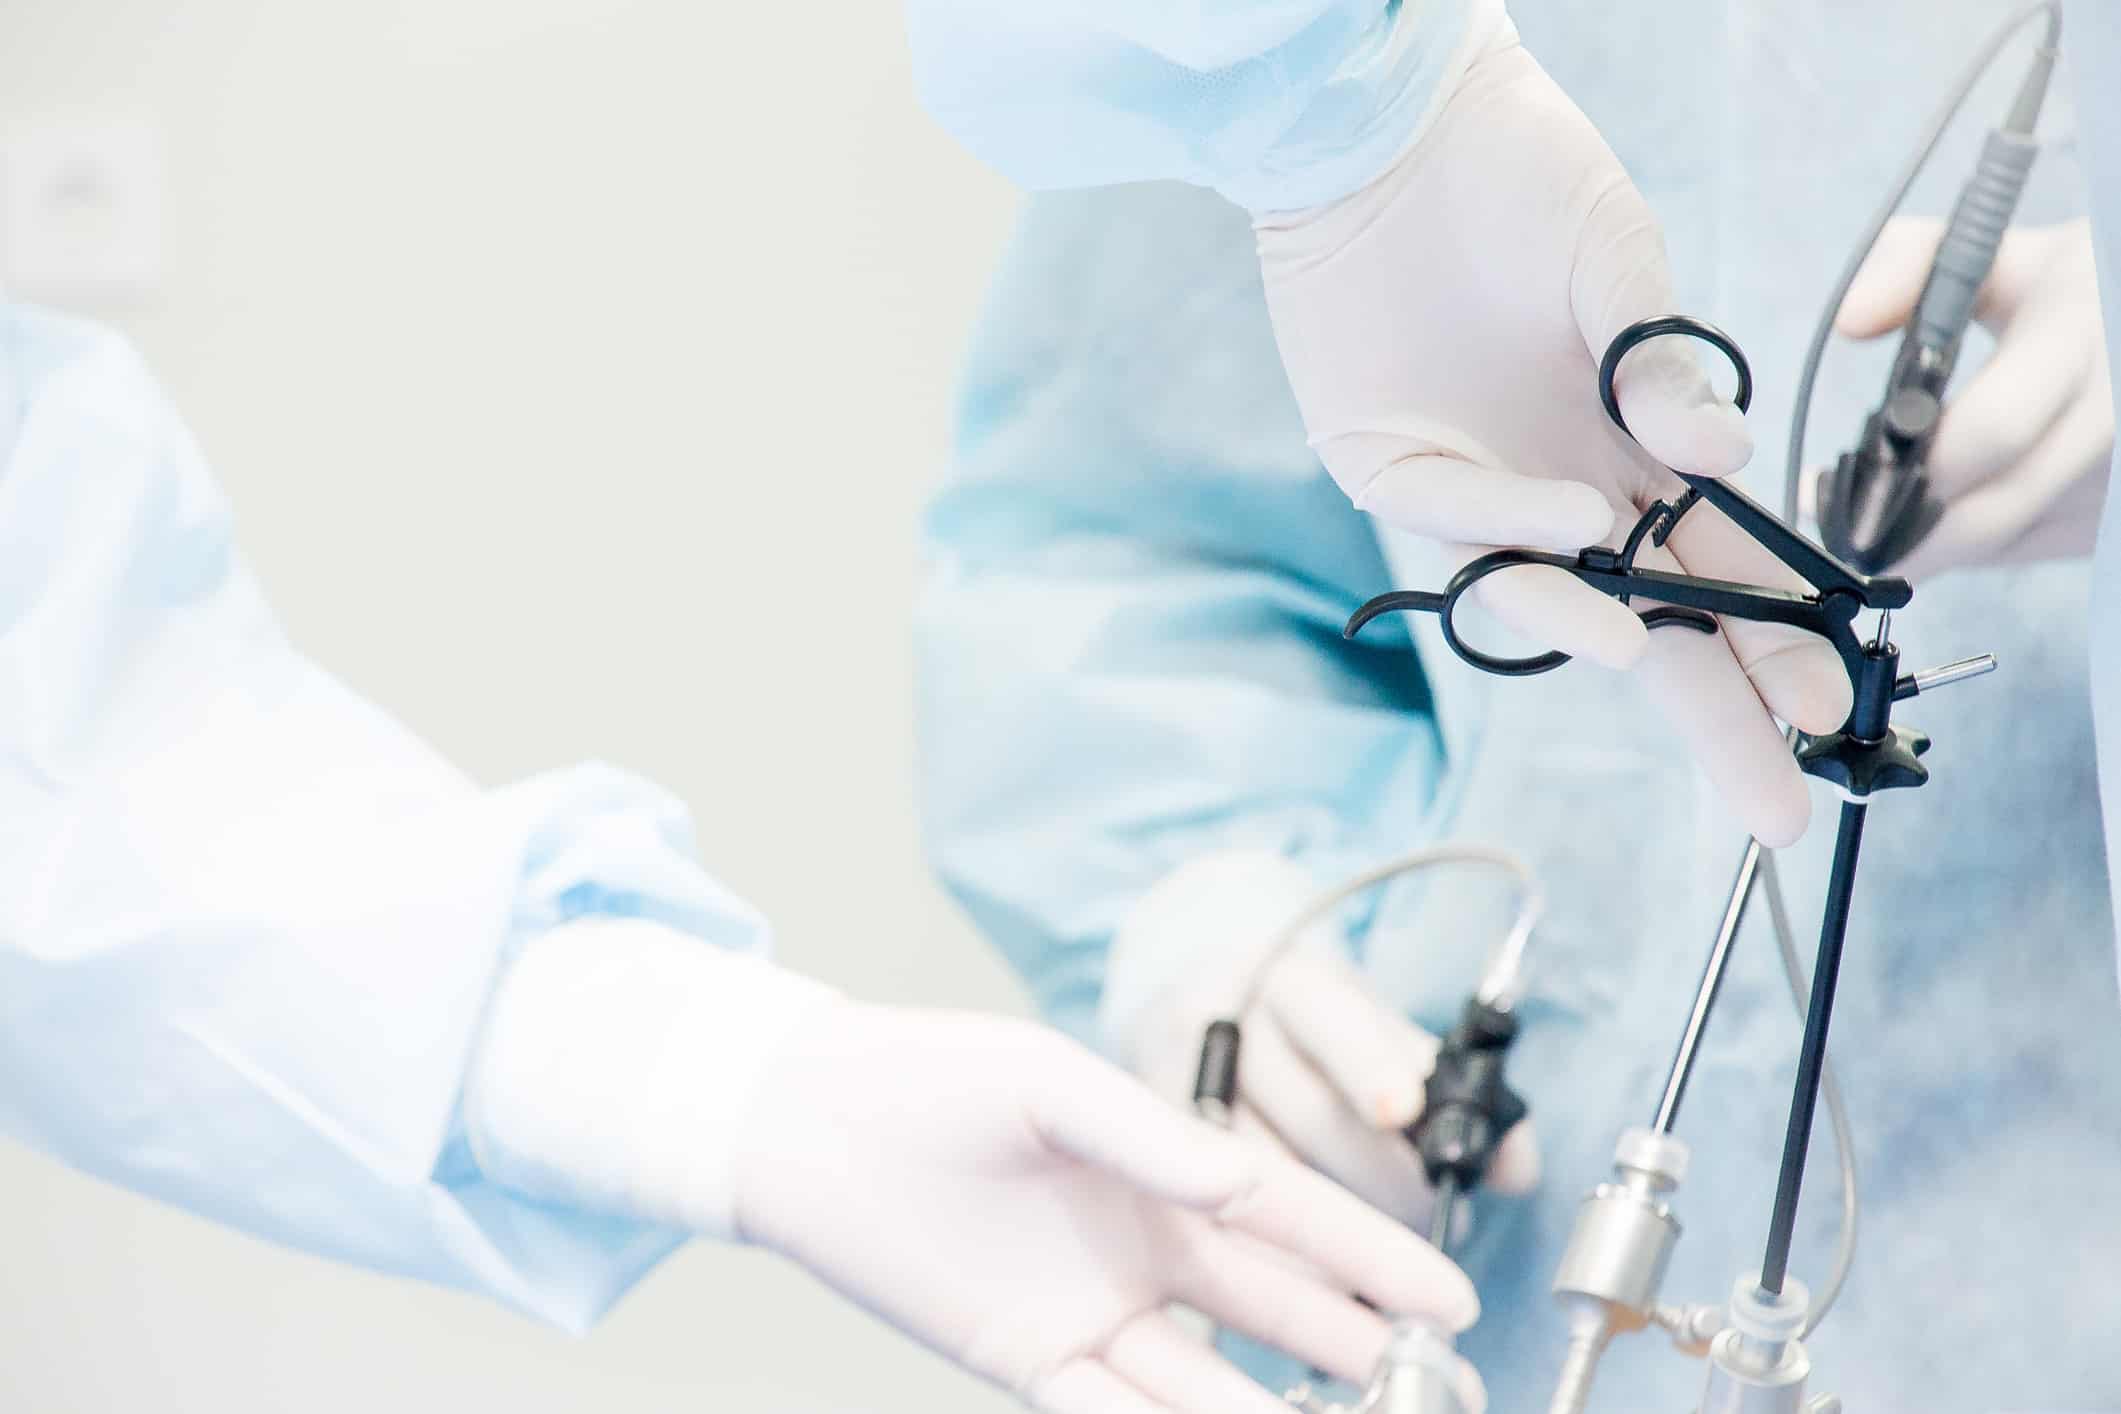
(1625, 1231)
(1616, 1258)
(1759, 1365)
(1419, 1374)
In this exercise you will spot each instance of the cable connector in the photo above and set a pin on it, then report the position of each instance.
(1215, 1082)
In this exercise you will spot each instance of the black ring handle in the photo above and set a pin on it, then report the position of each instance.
(1686, 325)
(1656, 523)
(1445, 606)
(1472, 574)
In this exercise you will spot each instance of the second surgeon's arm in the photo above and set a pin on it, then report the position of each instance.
(266, 956)
(250, 926)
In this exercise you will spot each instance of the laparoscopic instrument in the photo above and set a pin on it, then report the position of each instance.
(1757, 1360)
(1874, 506)
(1467, 1106)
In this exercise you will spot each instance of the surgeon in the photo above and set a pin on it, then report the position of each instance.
(265, 956)
(1146, 745)
(1447, 248)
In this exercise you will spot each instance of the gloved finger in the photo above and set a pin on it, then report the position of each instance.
(1883, 294)
(1443, 496)
(1985, 524)
(1797, 674)
(1089, 1109)
(1973, 531)
(1151, 1353)
(1250, 1124)
(1554, 609)
(1404, 1193)
(2036, 374)
(1296, 1099)
(1254, 1127)
(1621, 275)
(1376, 1060)
(1374, 1057)
(1085, 1386)
(2063, 533)
(1720, 719)
(1227, 1280)
(1963, 537)
(1882, 297)
(1352, 1244)
(1515, 1167)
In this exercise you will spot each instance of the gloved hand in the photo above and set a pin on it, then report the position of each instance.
(985, 1185)
(1325, 1070)
(1442, 329)
(2024, 448)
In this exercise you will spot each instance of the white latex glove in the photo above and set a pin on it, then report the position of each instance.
(1442, 329)
(1325, 1069)
(2024, 447)
(985, 1185)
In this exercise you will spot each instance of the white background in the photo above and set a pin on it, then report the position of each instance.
(577, 368)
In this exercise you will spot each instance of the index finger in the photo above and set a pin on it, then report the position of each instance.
(1798, 675)
(1354, 1245)
(1713, 708)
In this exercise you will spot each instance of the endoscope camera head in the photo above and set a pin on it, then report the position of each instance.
(1877, 503)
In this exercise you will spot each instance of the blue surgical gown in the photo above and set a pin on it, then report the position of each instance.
(1130, 656)
(2092, 48)
(249, 924)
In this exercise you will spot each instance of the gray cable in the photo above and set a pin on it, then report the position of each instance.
(1830, 1086)
(1498, 983)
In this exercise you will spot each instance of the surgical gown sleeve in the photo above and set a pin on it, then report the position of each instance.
(1129, 645)
(248, 923)
(1278, 104)
(2093, 52)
